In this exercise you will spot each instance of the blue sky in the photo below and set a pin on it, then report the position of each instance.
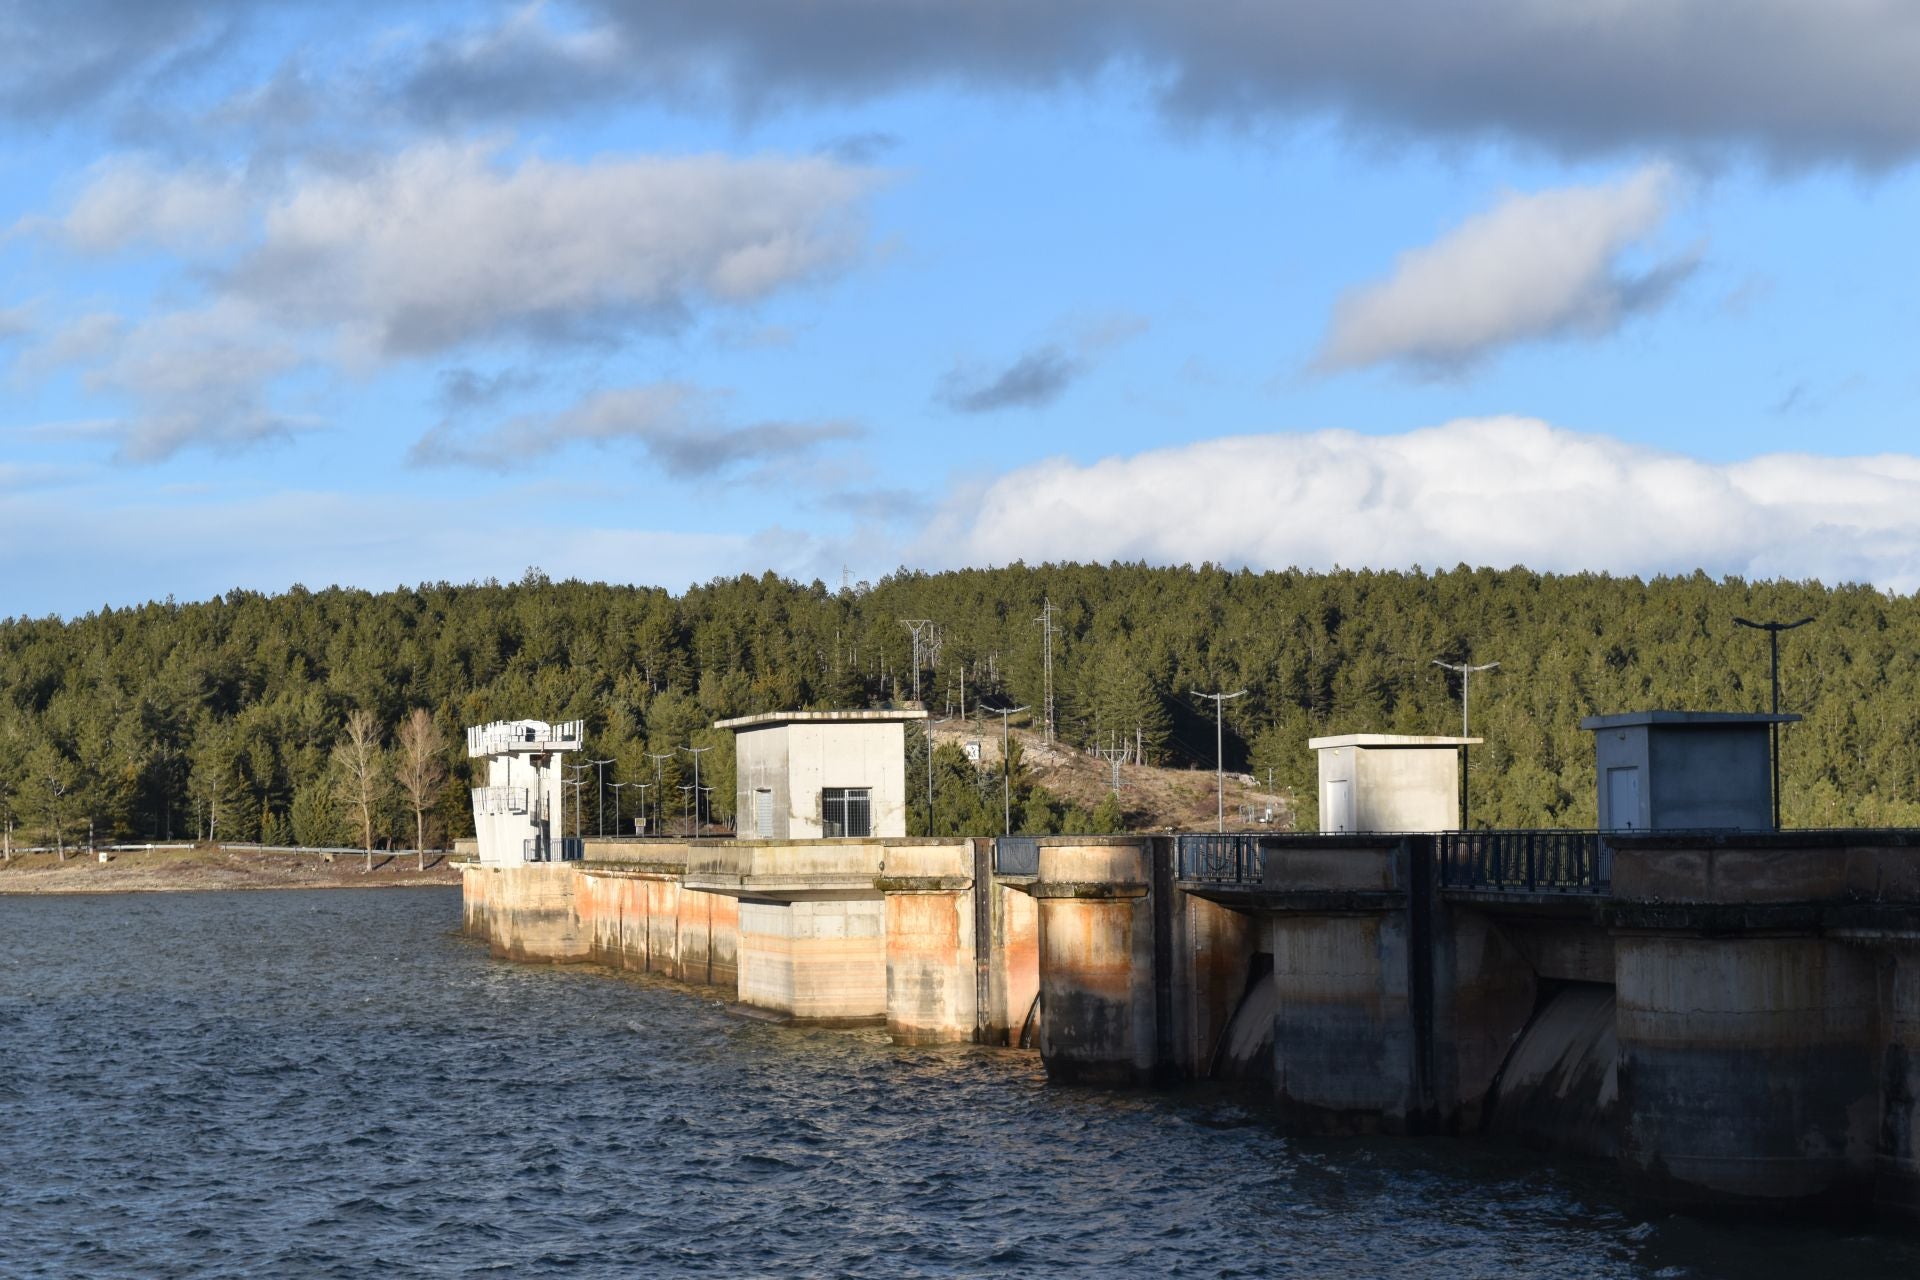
(653, 292)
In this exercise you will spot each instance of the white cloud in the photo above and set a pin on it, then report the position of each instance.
(1493, 491)
(429, 249)
(129, 201)
(1536, 266)
(440, 245)
(197, 378)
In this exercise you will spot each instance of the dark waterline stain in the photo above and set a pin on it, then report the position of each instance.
(330, 1083)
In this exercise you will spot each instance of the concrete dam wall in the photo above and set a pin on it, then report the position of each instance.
(1734, 1019)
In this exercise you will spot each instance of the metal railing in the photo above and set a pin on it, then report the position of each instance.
(504, 736)
(565, 849)
(1524, 861)
(1220, 859)
(1016, 855)
(496, 800)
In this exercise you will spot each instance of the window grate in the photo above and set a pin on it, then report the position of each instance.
(846, 811)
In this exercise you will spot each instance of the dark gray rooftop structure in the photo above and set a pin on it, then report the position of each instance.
(1684, 770)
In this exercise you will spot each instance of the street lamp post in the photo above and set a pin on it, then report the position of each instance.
(930, 724)
(1773, 630)
(1219, 750)
(694, 751)
(1006, 763)
(617, 788)
(1465, 671)
(644, 787)
(600, 795)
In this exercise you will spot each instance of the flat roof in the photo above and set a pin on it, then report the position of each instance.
(1686, 719)
(767, 719)
(1390, 740)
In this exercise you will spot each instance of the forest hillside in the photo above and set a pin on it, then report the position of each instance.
(227, 715)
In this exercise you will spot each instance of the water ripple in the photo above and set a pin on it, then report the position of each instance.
(331, 1084)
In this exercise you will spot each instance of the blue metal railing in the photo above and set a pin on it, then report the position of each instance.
(1220, 859)
(1016, 855)
(1524, 861)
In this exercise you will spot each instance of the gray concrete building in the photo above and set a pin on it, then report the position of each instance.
(801, 775)
(1684, 770)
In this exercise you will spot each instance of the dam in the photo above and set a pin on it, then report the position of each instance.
(1729, 1012)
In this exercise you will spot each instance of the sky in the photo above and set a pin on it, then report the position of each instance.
(655, 291)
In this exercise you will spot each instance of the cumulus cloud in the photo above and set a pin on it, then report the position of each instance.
(1494, 491)
(1536, 266)
(675, 425)
(1675, 74)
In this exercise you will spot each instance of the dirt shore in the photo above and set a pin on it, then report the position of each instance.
(174, 870)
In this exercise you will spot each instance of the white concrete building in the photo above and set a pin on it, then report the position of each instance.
(1389, 782)
(802, 775)
(519, 815)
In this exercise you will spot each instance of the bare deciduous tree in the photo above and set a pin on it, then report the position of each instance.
(359, 766)
(422, 770)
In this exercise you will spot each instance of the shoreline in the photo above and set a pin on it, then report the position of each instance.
(216, 868)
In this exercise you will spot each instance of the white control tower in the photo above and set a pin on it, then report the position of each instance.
(519, 815)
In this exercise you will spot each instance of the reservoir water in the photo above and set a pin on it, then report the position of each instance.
(332, 1083)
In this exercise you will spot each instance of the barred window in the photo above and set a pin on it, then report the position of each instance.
(846, 811)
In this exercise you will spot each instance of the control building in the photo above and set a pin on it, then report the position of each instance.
(806, 775)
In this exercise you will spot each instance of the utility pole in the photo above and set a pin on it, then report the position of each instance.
(600, 795)
(686, 821)
(1773, 630)
(694, 751)
(1006, 763)
(1047, 632)
(1219, 749)
(577, 782)
(916, 625)
(1465, 672)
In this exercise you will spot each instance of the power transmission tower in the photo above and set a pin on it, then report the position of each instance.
(916, 625)
(1047, 632)
(1219, 753)
(1113, 755)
